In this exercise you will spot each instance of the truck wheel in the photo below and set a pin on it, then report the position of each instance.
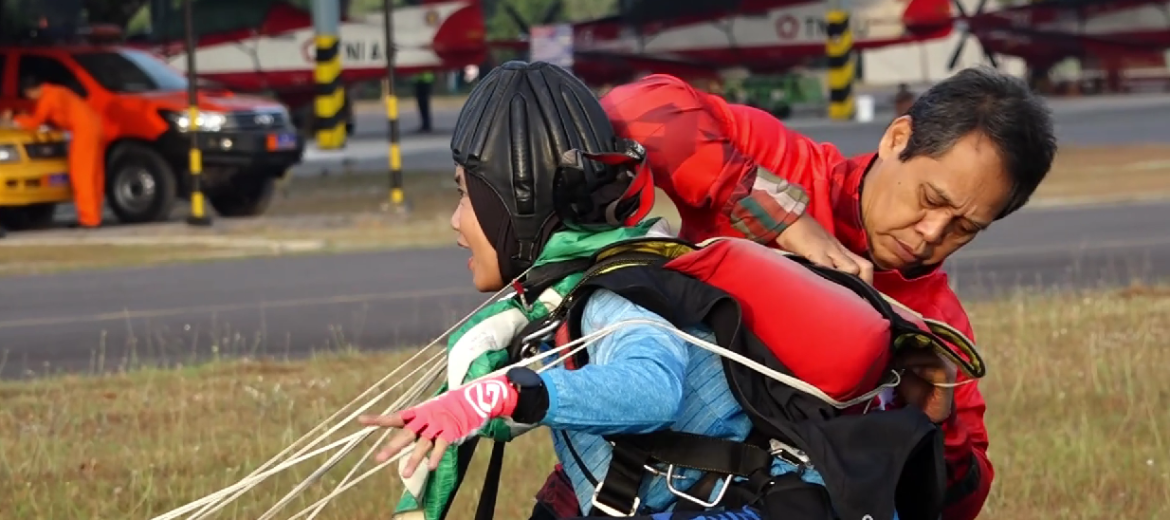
(27, 218)
(140, 184)
(244, 195)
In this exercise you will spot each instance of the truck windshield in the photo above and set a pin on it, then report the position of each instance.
(130, 71)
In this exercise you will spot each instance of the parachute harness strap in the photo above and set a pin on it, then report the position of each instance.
(431, 370)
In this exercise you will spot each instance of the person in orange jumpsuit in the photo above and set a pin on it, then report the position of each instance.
(60, 107)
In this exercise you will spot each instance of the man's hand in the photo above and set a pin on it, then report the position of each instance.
(927, 382)
(807, 238)
(6, 116)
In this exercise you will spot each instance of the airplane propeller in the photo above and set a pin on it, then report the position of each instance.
(962, 24)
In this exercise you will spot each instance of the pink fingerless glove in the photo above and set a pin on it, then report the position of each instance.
(460, 413)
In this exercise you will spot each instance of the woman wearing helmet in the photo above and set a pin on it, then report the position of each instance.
(544, 182)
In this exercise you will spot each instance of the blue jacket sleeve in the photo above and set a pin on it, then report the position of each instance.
(633, 382)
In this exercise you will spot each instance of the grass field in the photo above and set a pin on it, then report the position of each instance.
(1077, 395)
(1108, 172)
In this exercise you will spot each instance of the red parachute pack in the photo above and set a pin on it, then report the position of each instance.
(828, 328)
(781, 314)
(831, 330)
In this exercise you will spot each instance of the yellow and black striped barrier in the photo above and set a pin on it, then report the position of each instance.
(839, 50)
(330, 103)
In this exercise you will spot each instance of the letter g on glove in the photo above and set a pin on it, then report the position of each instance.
(487, 397)
(457, 415)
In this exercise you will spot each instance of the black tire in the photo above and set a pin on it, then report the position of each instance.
(140, 184)
(28, 218)
(246, 194)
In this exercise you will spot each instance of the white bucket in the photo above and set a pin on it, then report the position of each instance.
(863, 112)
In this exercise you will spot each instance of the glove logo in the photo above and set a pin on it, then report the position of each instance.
(485, 396)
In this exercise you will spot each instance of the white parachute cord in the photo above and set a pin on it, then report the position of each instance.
(280, 467)
(584, 341)
(412, 395)
(374, 447)
(258, 476)
(400, 404)
(580, 343)
(247, 483)
(491, 299)
(349, 475)
(320, 438)
(341, 489)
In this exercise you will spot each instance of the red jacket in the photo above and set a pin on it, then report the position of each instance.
(715, 161)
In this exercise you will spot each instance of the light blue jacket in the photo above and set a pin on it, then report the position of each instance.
(640, 379)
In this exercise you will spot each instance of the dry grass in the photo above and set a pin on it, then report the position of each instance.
(1108, 172)
(41, 259)
(361, 193)
(1076, 412)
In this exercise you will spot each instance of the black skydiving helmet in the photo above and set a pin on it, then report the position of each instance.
(539, 154)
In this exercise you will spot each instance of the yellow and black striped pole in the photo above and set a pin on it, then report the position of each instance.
(330, 102)
(198, 216)
(839, 50)
(329, 107)
(397, 194)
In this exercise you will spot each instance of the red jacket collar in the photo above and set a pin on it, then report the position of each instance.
(847, 210)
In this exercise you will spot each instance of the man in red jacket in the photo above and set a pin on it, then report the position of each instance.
(970, 151)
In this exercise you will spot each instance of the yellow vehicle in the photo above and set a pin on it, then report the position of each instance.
(34, 177)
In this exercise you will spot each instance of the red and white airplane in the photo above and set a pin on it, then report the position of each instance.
(768, 36)
(1112, 34)
(273, 49)
(761, 36)
(250, 46)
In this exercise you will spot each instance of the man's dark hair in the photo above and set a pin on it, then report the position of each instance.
(1000, 107)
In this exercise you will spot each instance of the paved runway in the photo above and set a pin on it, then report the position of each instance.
(1086, 121)
(295, 305)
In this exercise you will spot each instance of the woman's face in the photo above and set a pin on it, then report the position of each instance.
(484, 264)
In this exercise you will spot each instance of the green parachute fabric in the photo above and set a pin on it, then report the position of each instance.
(564, 245)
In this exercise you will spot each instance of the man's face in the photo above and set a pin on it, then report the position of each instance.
(920, 211)
(33, 93)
